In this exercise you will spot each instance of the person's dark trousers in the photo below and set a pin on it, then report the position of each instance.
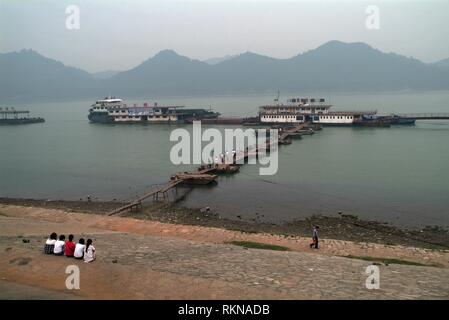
(314, 244)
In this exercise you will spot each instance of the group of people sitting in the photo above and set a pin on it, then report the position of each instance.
(80, 250)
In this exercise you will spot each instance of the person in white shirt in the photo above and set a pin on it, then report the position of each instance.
(50, 243)
(89, 251)
(59, 246)
(79, 249)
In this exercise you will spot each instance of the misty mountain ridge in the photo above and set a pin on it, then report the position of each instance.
(29, 75)
(333, 66)
(442, 63)
(105, 74)
(217, 60)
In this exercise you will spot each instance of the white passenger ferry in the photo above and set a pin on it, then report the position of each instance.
(300, 110)
(114, 110)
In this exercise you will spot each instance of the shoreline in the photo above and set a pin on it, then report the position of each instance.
(147, 259)
(343, 227)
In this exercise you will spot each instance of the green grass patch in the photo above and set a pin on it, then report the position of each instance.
(387, 261)
(258, 245)
(241, 230)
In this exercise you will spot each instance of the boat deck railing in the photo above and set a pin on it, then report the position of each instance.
(6, 114)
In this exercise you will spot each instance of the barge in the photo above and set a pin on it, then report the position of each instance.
(9, 116)
(398, 120)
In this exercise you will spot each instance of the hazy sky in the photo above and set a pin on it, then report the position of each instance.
(118, 35)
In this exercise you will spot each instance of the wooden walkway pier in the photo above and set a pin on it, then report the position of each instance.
(296, 131)
(137, 203)
(207, 173)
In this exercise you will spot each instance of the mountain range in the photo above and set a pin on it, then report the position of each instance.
(333, 66)
(217, 60)
(442, 63)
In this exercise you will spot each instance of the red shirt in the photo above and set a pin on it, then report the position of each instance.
(69, 248)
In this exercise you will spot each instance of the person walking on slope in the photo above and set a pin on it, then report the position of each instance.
(314, 242)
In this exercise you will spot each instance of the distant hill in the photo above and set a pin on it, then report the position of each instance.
(334, 66)
(28, 75)
(442, 63)
(105, 74)
(165, 73)
(217, 60)
(357, 66)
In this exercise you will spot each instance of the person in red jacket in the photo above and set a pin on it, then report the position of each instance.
(69, 247)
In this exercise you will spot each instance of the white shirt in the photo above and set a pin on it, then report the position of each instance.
(59, 246)
(50, 241)
(79, 250)
(89, 255)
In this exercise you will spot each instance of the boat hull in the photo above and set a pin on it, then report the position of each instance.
(21, 121)
(107, 119)
(403, 121)
(100, 118)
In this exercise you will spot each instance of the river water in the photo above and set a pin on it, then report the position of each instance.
(398, 175)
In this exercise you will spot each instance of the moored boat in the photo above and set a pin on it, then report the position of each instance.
(398, 120)
(10, 116)
(114, 110)
(314, 111)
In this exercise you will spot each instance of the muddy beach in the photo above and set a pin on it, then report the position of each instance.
(340, 226)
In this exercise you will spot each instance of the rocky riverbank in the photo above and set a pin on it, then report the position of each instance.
(147, 259)
(340, 227)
